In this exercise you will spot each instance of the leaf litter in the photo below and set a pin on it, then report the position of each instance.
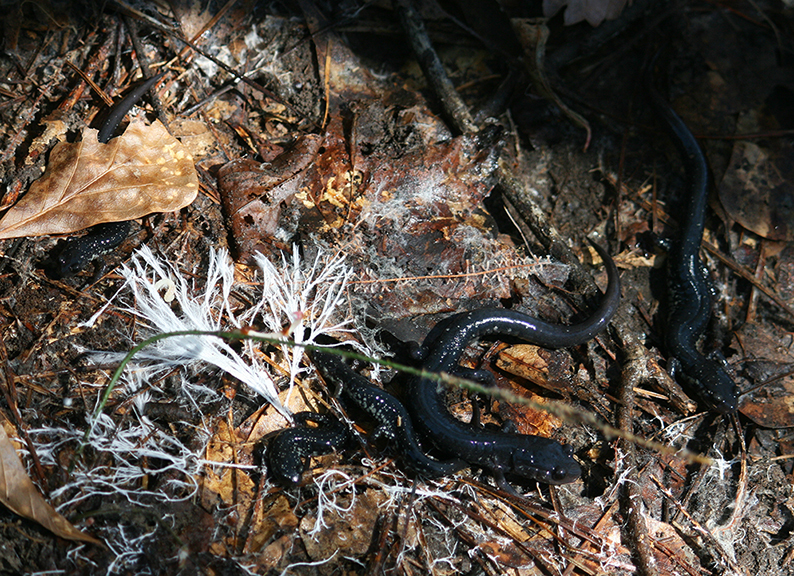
(18, 493)
(441, 533)
(142, 171)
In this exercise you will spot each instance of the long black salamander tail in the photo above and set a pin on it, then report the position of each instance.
(688, 285)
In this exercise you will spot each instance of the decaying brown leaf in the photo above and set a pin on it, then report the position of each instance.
(757, 191)
(254, 192)
(142, 171)
(21, 496)
(594, 11)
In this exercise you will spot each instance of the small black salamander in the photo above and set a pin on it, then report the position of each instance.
(98, 241)
(290, 446)
(102, 238)
(394, 422)
(522, 455)
(689, 287)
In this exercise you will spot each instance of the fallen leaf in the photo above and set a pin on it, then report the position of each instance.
(346, 530)
(770, 405)
(417, 203)
(526, 361)
(594, 11)
(20, 495)
(142, 171)
(253, 192)
(673, 555)
(275, 512)
(756, 189)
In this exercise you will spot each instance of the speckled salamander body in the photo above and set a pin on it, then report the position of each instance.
(98, 241)
(290, 446)
(690, 292)
(521, 455)
(393, 419)
(103, 238)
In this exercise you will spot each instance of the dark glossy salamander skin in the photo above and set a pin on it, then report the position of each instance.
(289, 448)
(690, 293)
(103, 238)
(393, 419)
(125, 105)
(98, 241)
(520, 455)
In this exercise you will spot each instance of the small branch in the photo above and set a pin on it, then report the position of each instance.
(454, 106)
(632, 505)
(567, 413)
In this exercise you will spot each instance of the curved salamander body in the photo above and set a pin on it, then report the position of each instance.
(125, 105)
(689, 287)
(98, 241)
(103, 238)
(393, 419)
(288, 449)
(522, 455)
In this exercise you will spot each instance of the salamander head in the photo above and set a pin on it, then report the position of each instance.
(546, 461)
(76, 253)
(285, 465)
(70, 261)
(287, 478)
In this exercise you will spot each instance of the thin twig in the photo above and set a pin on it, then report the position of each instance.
(567, 413)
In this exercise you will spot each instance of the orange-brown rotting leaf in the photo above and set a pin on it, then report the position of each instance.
(417, 203)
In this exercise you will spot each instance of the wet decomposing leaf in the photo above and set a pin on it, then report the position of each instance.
(275, 513)
(386, 170)
(673, 551)
(770, 405)
(756, 189)
(550, 369)
(142, 171)
(524, 360)
(254, 191)
(418, 204)
(20, 495)
(229, 486)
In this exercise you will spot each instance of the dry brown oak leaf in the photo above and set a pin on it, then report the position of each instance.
(142, 171)
(19, 494)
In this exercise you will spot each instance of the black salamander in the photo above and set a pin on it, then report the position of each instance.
(102, 238)
(690, 292)
(98, 241)
(521, 455)
(394, 422)
(287, 450)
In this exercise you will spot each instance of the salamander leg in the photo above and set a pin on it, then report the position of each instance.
(718, 356)
(502, 482)
(383, 431)
(479, 376)
(673, 367)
